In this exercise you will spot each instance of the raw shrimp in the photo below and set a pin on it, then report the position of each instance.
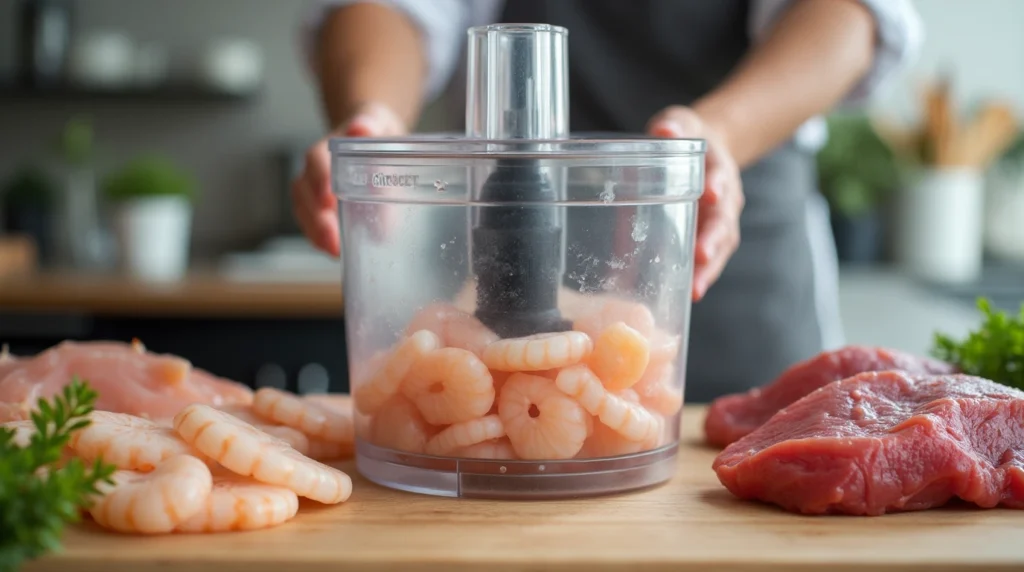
(658, 391)
(574, 304)
(626, 417)
(538, 352)
(388, 379)
(450, 385)
(606, 442)
(493, 449)
(340, 402)
(128, 442)
(155, 502)
(399, 425)
(456, 328)
(664, 348)
(465, 300)
(499, 378)
(239, 503)
(297, 439)
(325, 451)
(466, 434)
(343, 404)
(312, 418)
(540, 421)
(620, 356)
(362, 370)
(247, 451)
(634, 314)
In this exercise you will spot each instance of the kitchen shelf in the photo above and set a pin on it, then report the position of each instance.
(202, 294)
(163, 93)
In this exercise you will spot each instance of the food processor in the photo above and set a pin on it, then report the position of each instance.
(517, 296)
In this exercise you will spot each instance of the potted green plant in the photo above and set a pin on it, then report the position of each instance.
(857, 171)
(27, 200)
(152, 201)
(82, 240)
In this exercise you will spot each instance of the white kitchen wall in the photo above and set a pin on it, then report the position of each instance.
(229, 148)
(979, 42)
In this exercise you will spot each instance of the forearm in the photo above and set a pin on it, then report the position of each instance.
(370, 53)
(815, 54)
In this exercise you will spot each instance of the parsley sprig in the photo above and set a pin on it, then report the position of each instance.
(38, 493)
(995, 350)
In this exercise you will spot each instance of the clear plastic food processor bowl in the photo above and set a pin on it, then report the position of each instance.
(517, 299)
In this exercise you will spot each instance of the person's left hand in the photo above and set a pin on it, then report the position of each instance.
(718, 215)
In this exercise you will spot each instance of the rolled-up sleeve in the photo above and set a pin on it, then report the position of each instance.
(898, 39)
(442, 23)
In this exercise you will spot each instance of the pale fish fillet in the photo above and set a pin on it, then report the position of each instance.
(127, 377)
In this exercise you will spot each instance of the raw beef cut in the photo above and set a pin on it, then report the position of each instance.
(733, 416)
(883, 442)
(127, 378)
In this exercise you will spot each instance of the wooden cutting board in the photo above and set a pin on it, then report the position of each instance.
(691, 523)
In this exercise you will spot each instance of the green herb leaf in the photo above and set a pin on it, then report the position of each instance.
(994, 351)
(38, 496)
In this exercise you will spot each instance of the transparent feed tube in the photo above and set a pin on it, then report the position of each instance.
(451, 400)
(517, 84)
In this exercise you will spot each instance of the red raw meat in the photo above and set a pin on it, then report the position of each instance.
(883, 442)
(732, 416)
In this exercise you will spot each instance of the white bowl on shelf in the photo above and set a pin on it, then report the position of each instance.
(231, 65)
(103, 60)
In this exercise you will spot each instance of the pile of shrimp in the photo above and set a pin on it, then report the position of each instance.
(238, 465)
(451, 387)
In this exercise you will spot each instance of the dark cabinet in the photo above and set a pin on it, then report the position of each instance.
(301, 355)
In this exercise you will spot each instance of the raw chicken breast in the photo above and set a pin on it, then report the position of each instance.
(7, 361)
(127, 377)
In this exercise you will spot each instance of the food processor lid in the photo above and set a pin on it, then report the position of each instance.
(578, 146)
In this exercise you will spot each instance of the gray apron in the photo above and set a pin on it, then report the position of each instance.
(629, 60)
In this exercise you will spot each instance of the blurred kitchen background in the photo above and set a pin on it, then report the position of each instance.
(199, 112)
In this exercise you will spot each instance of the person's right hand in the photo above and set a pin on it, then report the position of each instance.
(313, 201)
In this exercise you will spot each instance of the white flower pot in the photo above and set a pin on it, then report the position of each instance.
(154, 235)
(940, 225)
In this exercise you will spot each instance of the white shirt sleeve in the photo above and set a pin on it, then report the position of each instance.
(898, 41)
(442, 23)
(900, 34)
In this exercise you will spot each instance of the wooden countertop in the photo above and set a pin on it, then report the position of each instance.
(691, 523)
(200, 294)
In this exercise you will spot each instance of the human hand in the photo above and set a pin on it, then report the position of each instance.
(718, 215)
(313, 201)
